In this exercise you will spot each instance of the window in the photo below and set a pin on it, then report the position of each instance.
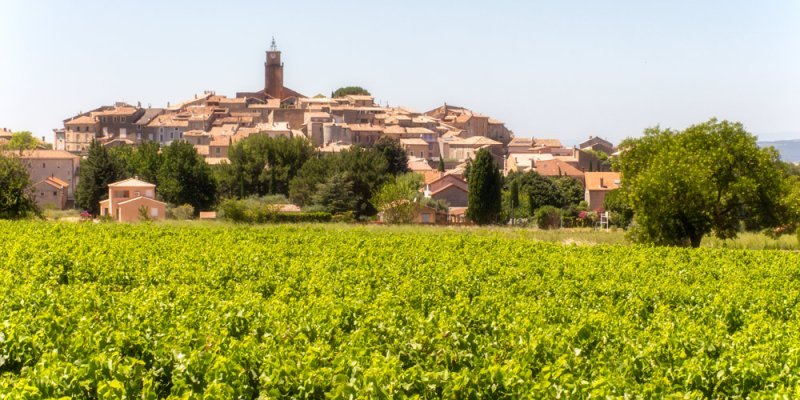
(154, 212)
(122, 119)
(55, 193)
(426, 218)
(148, 194)
(138, 194)
(43, 165)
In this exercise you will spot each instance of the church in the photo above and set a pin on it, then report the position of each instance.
(273, 81)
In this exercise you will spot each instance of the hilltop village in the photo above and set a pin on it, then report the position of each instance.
(445, 138)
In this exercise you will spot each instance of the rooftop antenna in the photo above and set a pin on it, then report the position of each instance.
(273, 46)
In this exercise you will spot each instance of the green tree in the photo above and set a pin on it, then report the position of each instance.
(146, 161)
(350, 91)
(542, 191)
(395, 155)
(399, 198)
(570, 190)
(441, 167)
(485, 184)
(15, 197)
(185, 178)
(22, 141)
(336, 194)
(261, 165)
(365, 169)
(618, 207)
(708, 178)
(98, 170)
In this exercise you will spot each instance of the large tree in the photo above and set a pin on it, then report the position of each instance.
(542, 191)
(395, 155)
(98, 170)
(21, 141)
(261, 165)
(185, 178)
(350, 91)
(399, 198)
(708, 178)
(15, 198)
(364, 170)
(485, 184)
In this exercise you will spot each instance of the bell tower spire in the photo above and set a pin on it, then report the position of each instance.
(273, 73)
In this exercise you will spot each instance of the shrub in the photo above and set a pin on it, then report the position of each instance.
(547, 217)
(259, 210)
(181, 213)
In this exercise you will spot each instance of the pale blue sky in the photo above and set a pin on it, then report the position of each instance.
(564, 69)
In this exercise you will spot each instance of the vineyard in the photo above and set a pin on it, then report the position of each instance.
(159, 311)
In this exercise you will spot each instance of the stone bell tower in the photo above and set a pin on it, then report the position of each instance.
(273, 70)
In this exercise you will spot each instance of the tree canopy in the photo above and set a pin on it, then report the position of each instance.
(485, 185)
(395, 155)
(399, 198)
(185, 178)
(22, 141)
(350, 91)
(708, 178)
(261, 165)
(359, 171)
(15, 198)
(98, 170)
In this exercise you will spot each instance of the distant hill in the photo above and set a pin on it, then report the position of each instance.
(789, 149)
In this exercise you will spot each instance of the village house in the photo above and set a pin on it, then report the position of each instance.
(61, 166)
(132, 200)
(449, 188)
(598, 184)
(423, 215)
(557, 168)
(598, 144)
(524, 162)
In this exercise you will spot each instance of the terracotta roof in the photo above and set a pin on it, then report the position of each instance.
(365, 128)
(222, 141)
(58, 181)
(419, 165)
(82, 120)
(520, 141)
(442, 175)
(359, 97)
(457, 210)
(131, 182)
(495, 121)
(46, 154)
(447, 187)
(556, 168)
(289, 208)
(480, 140)
(419, 131)
(609, 180)
(116, 111)
(547, 142)
(413, 142)
(394, 130)
(318, 114)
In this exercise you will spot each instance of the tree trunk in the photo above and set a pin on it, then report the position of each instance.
(695, 240)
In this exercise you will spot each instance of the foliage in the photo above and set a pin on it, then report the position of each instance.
(15, 198)
(395, 155)
(181, 213)
(547, 217)
(399, 198)
(542, 191)
(21, 141)
(707, 178)
(98, 170)
(440, 167)
(261, 165)
(340, 182)
(264, 210)
(144, 214)
(485, 184)
(570, 190)
(329, 312)
(185, 178)
(618, 207)
(350, 91)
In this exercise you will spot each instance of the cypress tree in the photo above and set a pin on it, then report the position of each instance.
(98, 170)
(441, 165)
(485, 184)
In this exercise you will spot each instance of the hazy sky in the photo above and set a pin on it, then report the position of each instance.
(564, 69)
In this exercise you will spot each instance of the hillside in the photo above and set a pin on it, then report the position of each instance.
(789, 149)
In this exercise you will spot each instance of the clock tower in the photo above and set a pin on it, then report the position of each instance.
(273, 68)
